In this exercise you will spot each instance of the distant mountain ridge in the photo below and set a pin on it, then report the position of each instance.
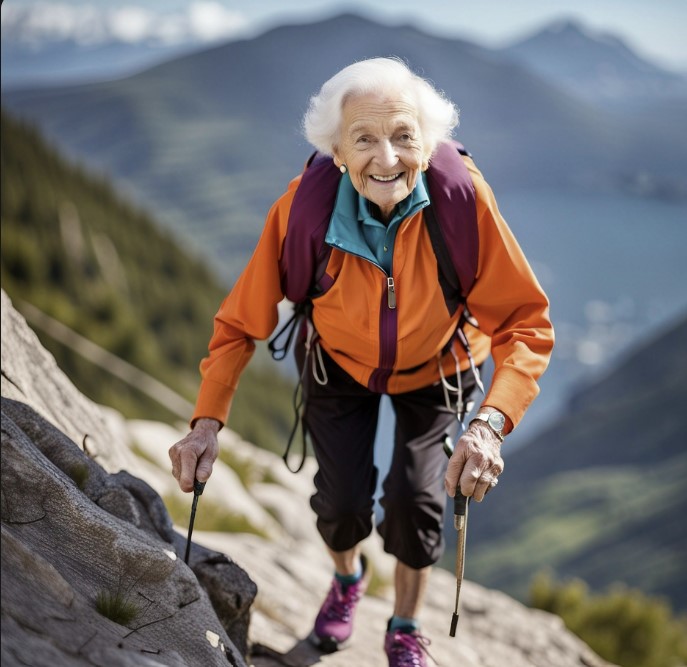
(69, 62)
(209, 140)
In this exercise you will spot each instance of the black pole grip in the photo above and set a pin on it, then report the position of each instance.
(198, 488)
(460, 503)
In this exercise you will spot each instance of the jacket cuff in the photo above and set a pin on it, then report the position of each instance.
(511, 392)
(214, 401)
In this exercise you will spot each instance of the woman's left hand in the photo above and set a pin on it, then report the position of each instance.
(476, 463)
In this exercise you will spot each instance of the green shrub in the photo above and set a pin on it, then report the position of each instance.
(624, 626)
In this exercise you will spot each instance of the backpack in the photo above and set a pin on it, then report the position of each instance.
(451, 219)
(453, 230)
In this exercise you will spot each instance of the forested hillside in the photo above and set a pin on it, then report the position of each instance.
(75, 249)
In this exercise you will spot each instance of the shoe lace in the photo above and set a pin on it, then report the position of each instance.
(340, 603)
(408, 648)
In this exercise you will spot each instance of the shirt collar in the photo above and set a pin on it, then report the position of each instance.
(416, 200)
(352, 205)
(351, 212)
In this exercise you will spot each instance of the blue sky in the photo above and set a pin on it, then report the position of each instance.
(655, 29)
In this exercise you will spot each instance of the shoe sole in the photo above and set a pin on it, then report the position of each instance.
(326, 644)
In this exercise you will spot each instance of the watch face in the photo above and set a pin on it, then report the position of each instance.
(497, 421)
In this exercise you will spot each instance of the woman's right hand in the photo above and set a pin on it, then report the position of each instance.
(192, 458)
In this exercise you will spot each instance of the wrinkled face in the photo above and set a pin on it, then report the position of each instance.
(381, 145)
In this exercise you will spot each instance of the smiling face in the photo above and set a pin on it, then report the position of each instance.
(381, 145)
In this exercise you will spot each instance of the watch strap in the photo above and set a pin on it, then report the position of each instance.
(484, 417)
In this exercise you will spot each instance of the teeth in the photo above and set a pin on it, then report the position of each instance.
(385, 179)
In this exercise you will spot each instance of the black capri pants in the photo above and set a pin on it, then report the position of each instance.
(340, 418)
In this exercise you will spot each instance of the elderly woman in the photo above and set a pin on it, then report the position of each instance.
(384, 322)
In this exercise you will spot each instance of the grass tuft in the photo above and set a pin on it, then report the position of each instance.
(116, 607)
(79, 475)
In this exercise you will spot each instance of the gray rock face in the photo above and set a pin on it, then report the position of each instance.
(74, 539)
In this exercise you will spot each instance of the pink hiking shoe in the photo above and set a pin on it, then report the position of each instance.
(406, 649)
(334, 623)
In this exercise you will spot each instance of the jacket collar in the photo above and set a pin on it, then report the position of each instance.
(352, 211)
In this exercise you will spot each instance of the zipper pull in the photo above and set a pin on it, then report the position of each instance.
(391, 292)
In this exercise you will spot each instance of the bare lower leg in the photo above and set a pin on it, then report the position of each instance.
(346, 562)
(410, 590)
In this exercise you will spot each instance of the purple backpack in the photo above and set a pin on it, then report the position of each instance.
(451, 220)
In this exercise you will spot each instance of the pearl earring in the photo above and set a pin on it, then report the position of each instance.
(343, 169)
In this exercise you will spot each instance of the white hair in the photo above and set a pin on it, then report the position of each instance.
(437, 115)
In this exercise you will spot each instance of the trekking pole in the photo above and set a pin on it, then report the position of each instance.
(460, 523)
(197, 492)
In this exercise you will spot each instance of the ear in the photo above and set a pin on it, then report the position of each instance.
(338, 158)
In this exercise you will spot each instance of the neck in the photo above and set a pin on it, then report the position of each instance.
(383, 216)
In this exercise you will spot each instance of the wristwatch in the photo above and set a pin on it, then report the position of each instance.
(495, 420)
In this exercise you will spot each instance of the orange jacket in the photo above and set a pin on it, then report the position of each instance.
(506, 299)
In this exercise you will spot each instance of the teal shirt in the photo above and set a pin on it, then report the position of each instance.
(353, 229)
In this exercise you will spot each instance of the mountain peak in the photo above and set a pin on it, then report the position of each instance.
(596, 64)
(567, 25)
(570, 31)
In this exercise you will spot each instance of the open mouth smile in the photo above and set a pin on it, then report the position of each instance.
(386, 179)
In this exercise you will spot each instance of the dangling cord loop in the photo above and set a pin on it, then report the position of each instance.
(449, 389)
(298, 403)
(461, 408)
(312, 343)
(299, 395)
(289, 331)
(475, 371)
(318, 363)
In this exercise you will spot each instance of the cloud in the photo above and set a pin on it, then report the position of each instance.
(210, 20)
(131, 24)
(37, 23)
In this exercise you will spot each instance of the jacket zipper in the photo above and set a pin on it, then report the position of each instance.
(388, 330)
(391, 292)
(388, 334)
